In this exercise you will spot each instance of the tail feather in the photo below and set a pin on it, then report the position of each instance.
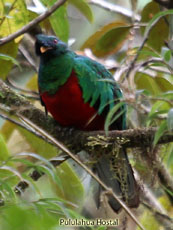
(116, 172)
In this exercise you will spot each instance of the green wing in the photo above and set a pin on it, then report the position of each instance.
(91, 75)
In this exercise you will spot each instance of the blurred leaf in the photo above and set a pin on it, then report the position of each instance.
(27, 216)
(33, 83)
(101, 228)
(50, 172)
(59, 20)
(12, 171)
(48, 168)
(167, 94)
(108, 40)
(164, 84)
(160, 132)
(167, 55)
(37, 157)
(168, 191)
(165, 202)
(115, 111)
(7, 190)
(7, 129)
(21, 15)
(144, 81)
(154, 115)
(7, 58)
(146, 52)
(170, 157)
(157, 17)
(14, 17)
(149, 221)
(155, 85)
(84, 7)
(56, 201)
(160, 31)
(4, 153)
(39, 146)
(73, 190)
(170, 120)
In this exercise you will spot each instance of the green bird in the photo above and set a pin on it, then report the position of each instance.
(76, 90)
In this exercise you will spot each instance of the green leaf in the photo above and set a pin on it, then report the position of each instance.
(8, 53)
(50, 172)
(156, 18)
(4, 153)
(155, 85)
(9, 58)
(164, 84)
(48, 168)
(7, 190)
(167, 55)
(167, 94)
(84, 8)
(148, 53)
(36, 156)
(160, 132)
(170, 120)
(160, 31)
(113, 112)
(108, 40)
(59, 20)
(170, 156)
(11, 170)
(7, 129)
(73, 190)
(38, 145)
(167, 190)
(144, 81)
(15, 16)
(25, 215)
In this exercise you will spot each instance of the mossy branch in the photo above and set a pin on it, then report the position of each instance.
(76, 139)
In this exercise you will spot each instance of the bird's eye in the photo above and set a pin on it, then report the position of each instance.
(55, 41)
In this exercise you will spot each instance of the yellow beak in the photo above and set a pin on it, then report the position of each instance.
(43, 49)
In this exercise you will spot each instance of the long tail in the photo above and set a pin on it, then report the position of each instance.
(116, 172)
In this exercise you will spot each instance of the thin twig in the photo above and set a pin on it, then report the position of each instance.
(163, 219)
(7, 118)
(115, 8)
(32, 23)
(28, 57)
(146, 36)
(11, 83)
(70, 154)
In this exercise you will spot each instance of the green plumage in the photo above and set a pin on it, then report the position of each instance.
(56, 69)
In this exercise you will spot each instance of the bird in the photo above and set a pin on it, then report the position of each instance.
(79, 92)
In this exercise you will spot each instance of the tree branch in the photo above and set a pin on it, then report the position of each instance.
(76, 139)
(115, 8)
(34, 22)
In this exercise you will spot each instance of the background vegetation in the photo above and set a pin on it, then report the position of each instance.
(134, 40)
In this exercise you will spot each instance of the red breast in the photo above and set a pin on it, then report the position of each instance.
(68, 108)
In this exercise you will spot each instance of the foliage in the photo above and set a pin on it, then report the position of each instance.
(148, 93)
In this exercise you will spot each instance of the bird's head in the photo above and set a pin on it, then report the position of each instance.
(49, 45)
